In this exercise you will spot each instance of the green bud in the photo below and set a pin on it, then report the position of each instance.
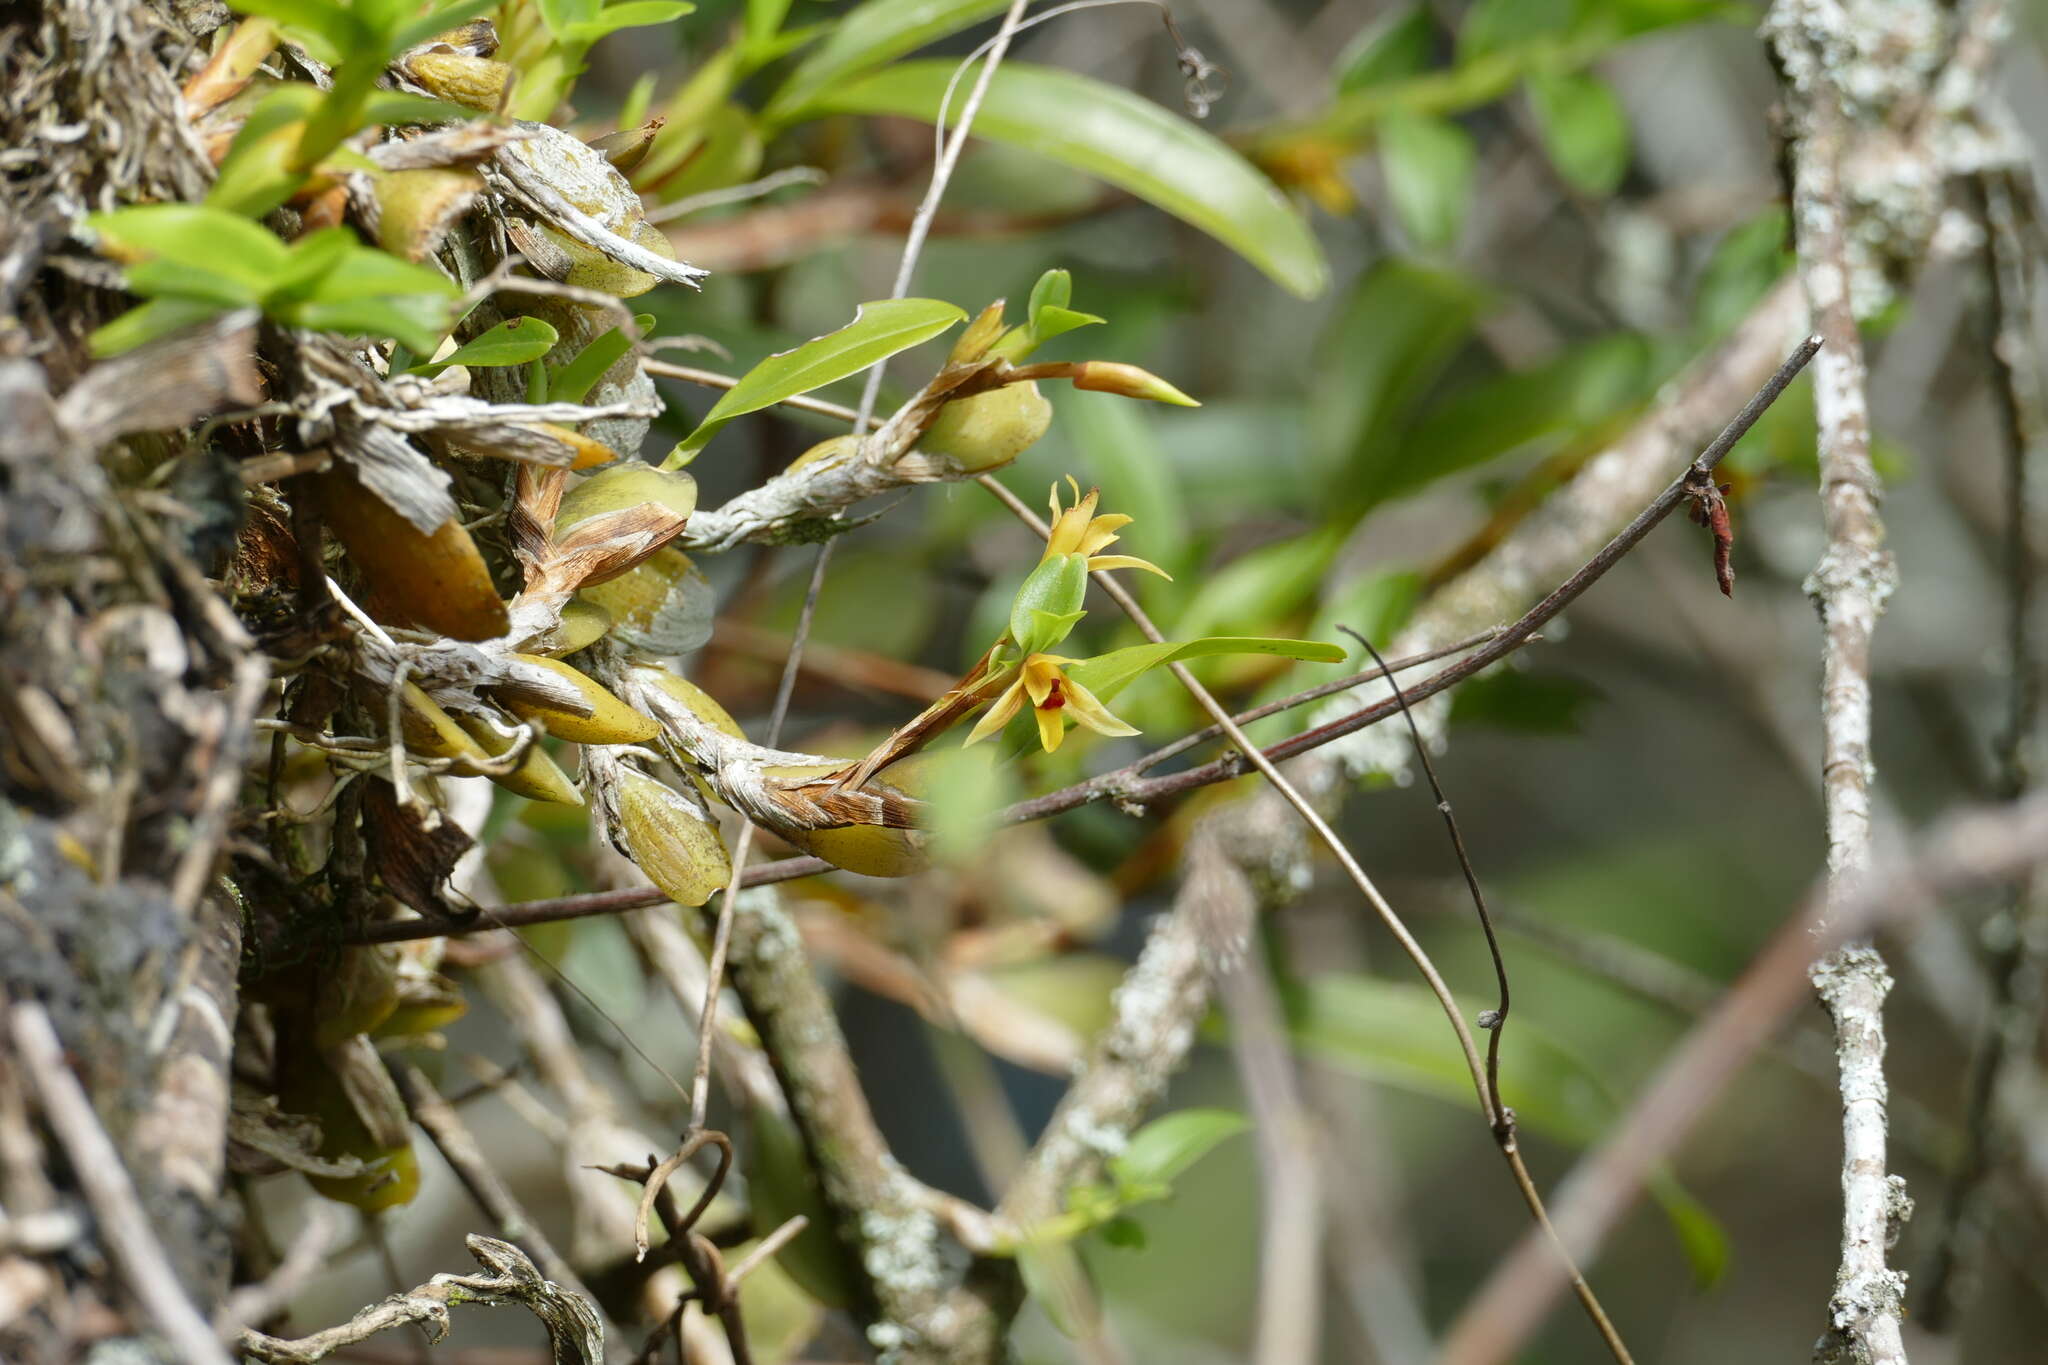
(1049, 603)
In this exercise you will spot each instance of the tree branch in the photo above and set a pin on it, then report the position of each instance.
(1849, 587)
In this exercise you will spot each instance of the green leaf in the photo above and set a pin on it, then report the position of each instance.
(367, 272)
(1164, 1148)
(514, 341)
(1126, 1233)
(1495, 416)
(1583, 128)
(872, 34)
(1116, 136)
(157, 318)
(1263, 585)
(1058, 1282)
(1399, 44)
(338, 29)
(1108, 674)
(197, 237)
(1395, 1033)
(764, 19)
(633, 14)
(878, 331)
(1429, 164)
(1495, 25)
(313, 258)
(171, 279)
(1399, 330)
(1048, 323)
(415, 319)
(573, 381)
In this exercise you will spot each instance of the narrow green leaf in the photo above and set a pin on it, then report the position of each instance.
(764, 19)
(1494, 25)
(1583, 128)
(1492, 417)
(337, 29)
(1116, 136)
(157, 318)
(196, 236)
(1050, 322)
(1058, 1282)
(1260, 588)
(1160, 1151)
(514, 341)
(1399, 330)
(418, 320)
(573, 381)
(1429, 165)
(172, 279)
(634, 14)
(872, 34)
(1108, 674)
(1397, 45)
(878, 331)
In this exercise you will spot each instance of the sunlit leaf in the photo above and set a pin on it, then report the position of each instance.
(1116, 136)
(870, 35)
(634, 14)
(878, 331)
(196, 236)
(514, 341)
(1107, 674)
(1165, 1147)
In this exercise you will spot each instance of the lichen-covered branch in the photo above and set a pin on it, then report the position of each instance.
(574, 1334)
(1823, 49)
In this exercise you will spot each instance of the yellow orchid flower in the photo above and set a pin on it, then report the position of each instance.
(1053, 696)
(1077, 530)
